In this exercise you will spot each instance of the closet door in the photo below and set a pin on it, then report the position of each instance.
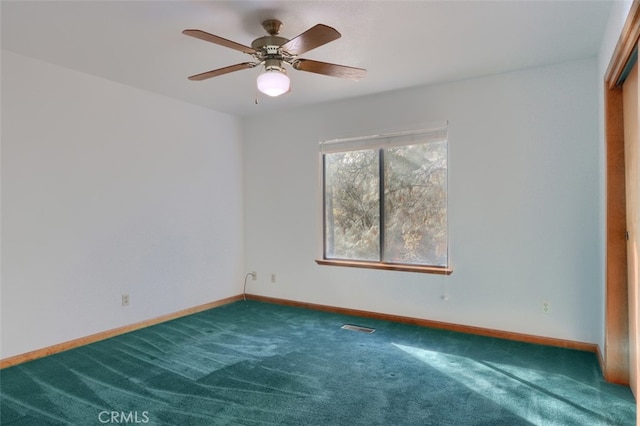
(632, 185)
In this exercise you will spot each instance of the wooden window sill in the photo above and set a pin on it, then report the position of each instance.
(386, 266)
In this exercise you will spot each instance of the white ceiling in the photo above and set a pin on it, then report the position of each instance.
(400, 43)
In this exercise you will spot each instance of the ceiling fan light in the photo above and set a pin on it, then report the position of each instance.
(273, 82)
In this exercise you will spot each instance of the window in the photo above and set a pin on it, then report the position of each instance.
(385, 201)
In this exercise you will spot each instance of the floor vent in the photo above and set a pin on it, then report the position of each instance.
(358, 328)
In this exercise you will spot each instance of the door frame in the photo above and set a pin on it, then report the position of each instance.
(615, 364)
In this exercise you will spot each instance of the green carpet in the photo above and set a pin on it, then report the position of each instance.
(252, 363)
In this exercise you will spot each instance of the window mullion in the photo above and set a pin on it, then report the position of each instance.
(327, 209)
(381, 200)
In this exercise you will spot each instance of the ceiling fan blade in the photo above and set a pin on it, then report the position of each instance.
(221, 71)
(314, 37)
(333, 70)
(202, 35)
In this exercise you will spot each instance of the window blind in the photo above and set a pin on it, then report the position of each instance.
(434, 133)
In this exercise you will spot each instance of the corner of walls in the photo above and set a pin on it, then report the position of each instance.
(110, 190)
(523, 145)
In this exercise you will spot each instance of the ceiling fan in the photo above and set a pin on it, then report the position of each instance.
(274, 51)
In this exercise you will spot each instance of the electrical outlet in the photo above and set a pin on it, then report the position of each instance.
(254, 276)
(273, 278)
(546, 307)
(125, 299)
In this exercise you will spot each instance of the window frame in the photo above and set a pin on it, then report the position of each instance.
(379, 143)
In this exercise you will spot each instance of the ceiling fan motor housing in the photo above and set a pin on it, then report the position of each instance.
(269, 51)
(267, 42)
(273, 64)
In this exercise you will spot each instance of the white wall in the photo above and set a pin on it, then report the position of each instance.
(524, 203)
(106, 190)
(615, 23)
